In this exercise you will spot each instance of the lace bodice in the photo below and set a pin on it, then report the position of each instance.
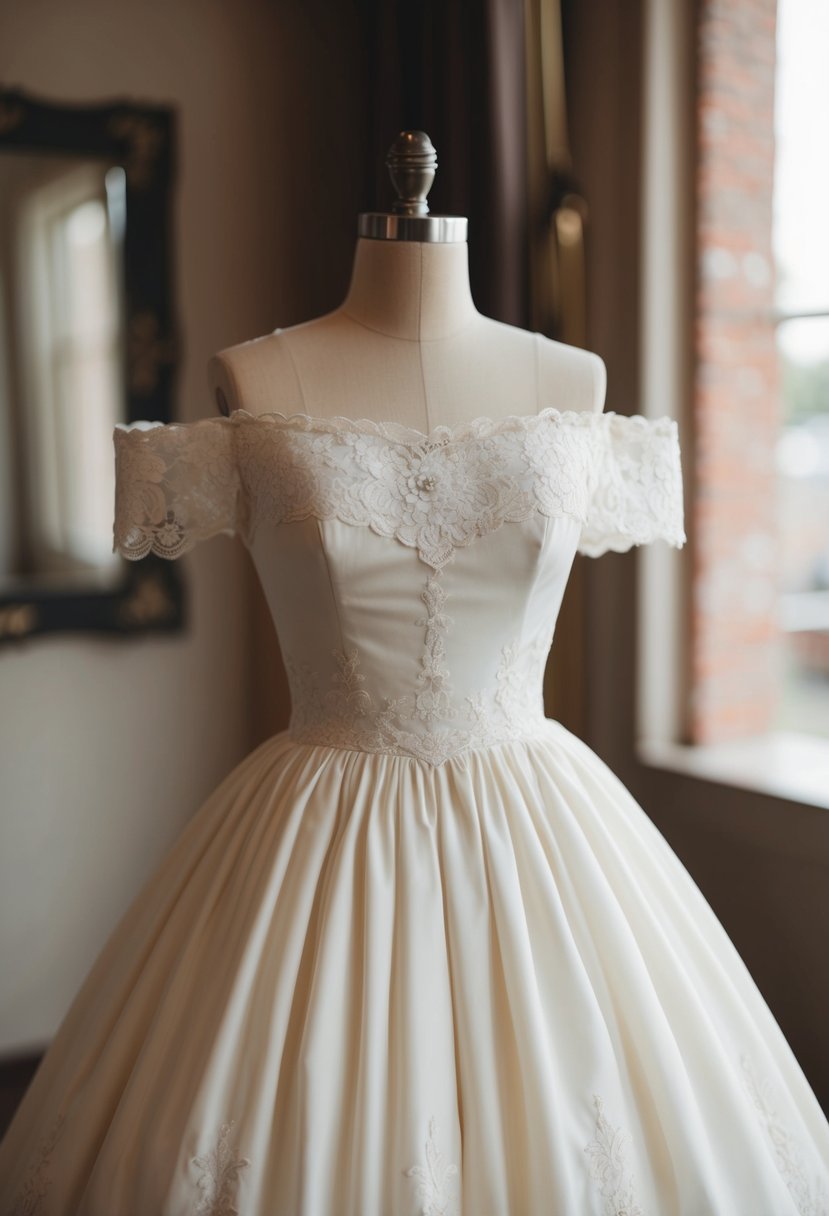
(414, 578)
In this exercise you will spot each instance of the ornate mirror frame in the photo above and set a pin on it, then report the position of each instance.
(148, 595)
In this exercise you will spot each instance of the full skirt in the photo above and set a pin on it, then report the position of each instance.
(361, 985)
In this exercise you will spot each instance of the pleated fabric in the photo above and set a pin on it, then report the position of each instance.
(361, 985)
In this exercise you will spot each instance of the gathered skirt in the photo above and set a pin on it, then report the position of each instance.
(363, 985)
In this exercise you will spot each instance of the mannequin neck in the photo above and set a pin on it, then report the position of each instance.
(410, 289)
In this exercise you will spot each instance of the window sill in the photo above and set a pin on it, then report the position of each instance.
(781, 764)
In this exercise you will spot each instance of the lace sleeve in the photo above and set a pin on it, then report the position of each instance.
(636, 490)
(175, 485)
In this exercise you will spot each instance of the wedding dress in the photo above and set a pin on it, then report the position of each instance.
(421, 953)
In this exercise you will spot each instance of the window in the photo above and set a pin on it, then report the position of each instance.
(801, 244)
(734, 654)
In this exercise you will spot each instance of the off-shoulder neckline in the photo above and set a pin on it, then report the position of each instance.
(443, 433)
(606, 422)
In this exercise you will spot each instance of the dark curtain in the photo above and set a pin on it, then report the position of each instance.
(456, 70)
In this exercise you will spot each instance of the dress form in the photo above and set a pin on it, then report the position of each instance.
(407, 345)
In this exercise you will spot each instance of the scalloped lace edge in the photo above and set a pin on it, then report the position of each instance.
(605, 423)
(623, 543)
(483, 425)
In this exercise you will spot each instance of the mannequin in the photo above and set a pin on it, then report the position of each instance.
(407, 345)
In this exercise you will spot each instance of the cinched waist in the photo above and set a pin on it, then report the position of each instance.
(433, 746)
(431, 720)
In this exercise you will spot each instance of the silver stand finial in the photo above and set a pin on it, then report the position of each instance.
(411, 161)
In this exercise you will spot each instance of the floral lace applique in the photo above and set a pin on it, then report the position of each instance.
(174, 485)
(425, 722)
(431, 702)
(435, 1181)
(346, 696)
(810, 1201)
(218, 1179)
(609, 1168)
(636, 493)
(38, 1180)
(180, 483)
(435, 493)
(336, 710)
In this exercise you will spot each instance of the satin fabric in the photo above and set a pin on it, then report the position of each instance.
(420, 954)
(333, 963)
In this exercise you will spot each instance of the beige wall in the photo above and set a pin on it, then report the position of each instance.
(108, 746)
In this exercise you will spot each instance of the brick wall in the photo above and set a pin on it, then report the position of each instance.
(734, 637)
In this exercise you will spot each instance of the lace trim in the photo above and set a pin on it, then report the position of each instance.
(175, 485)
(435, 493)
(420, 723)
(217, 1181)
(38, 1180)
(435, 1181)
(637, 495)
(442, 434)
(808, 1200)
(219, 1177)
(435, 490)
(609, 1167)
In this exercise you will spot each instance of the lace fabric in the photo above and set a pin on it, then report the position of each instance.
(636, 495)
(430, 721)
(175, 484)
(435, 491)
(810, 1195)
(219, 1176)
(436, 1180)
(609, 1168)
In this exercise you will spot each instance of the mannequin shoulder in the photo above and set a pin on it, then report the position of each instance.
(581, 374)
(566, 376)
(257, 376)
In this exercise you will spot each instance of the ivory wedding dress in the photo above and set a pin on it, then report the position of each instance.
(421, 953)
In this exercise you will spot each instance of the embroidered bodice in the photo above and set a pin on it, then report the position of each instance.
(414, 578)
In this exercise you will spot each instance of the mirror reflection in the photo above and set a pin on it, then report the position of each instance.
(62, 361)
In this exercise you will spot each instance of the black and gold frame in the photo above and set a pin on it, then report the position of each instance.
(140, 139)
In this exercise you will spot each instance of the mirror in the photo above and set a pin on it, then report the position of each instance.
(86, 341)
(61, 352)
